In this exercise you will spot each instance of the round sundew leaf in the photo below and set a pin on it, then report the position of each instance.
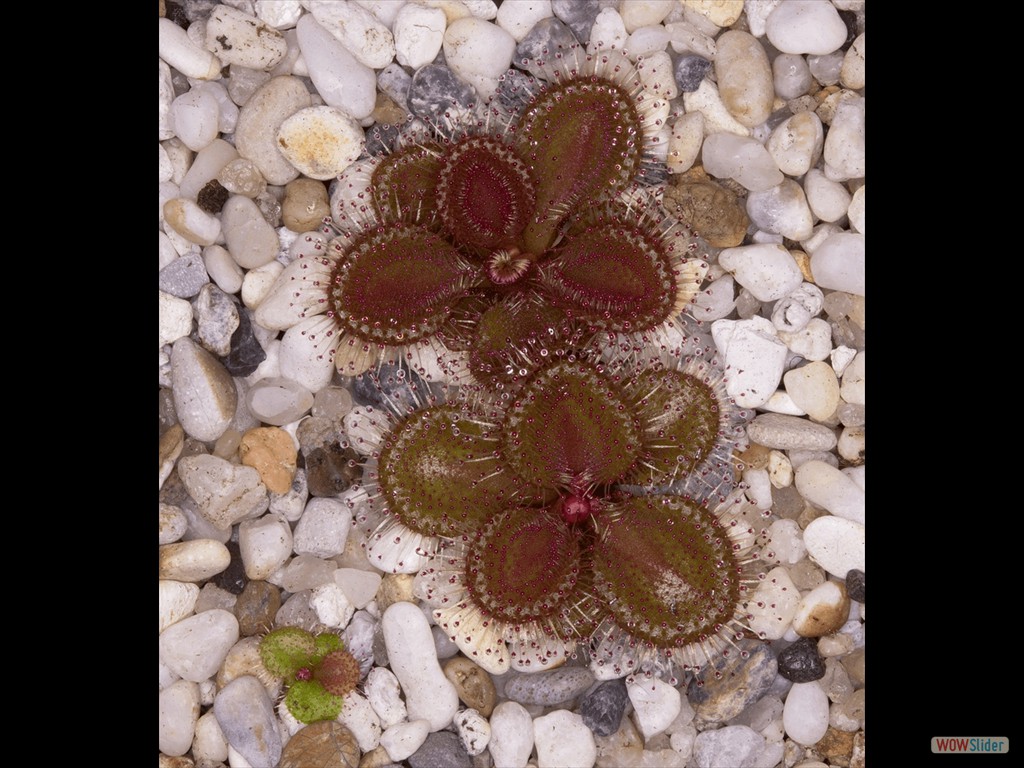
(284, 651)
(397, 284)
(525, 566)
(441, 476)
(404, 184)
(680, 418)
(309, 702)
(484, 193)
(338, 672)
(615, 273)
(570, 428)
(665, 569)
(582, 139)
(325, 642)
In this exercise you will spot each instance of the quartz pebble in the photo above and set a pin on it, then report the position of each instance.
(259, 121)
(733, 745)
(278, 401)
(179, 711)
(385, 696)
(332, 608)
(209, 745)
(844, 145)
(341, 80)
(177, 600)
(306, 572)
(419, 32)
(822, 611)
(743, 159)
(512, 735)
(656, 704)
(836, 544)
(428, 693)
(320, 142)
(608, 31)
(773, 605)
(813, 342)
(755, 357)
(242, 40)
(265, 545)
(766, 270)
(744, 77)
(852, 387)
(194, 648)
(805, 716)
(475, 48)
(402, 739)
(796, 145)
(358, 30)
(551, 687)
(474, 731)
(178, 50)
(855, 211)
(191, 222)
(172, 520)
(814, 388)
(246, 717)
(193, 561)
(830, 489)
(805, 26)
(781, 210)
(194, 118)
(225, 493)
(251, 241)
(562, 739)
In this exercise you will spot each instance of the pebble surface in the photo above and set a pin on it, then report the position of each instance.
(262, 105)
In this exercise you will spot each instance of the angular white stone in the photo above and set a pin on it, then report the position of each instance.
(608, 32)
(814, 388)
(781, 402)
(844, 145)
(729, 746)
(320, 141)
(225, 493)
(812, 342)
(178, 50)
(174, 318)
(265, 545)
(718, 120)
(856, 210)
(754, 356)
(767, 270)
(836, 544)
(385, 696)
(786, 539)
(656, 705)
(796, 310)
(323, 528)
(251, 241)
(402, 739)
(838, 263)
(179, 710)
(341, 80)
(805, 716)
(474, 47)
(852, 73)
(419, 33)
(176, 601)
(797, 143)
(686, 38)
(358, 716)
(474, 731)
(562, 739)
(805, 26)
(852, 387)
(773, 604)
(332, 607)
(743, 159)
(194, 648)
(360, 587)
(243, 40)
(366, 38)
(511, 735)
(428, 693)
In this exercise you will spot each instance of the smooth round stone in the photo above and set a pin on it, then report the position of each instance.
(743, 159)
(836, 544)
(776, 430)
(838, 263)
(852, 73)
(656, 704)
(782, 210)
(193, 561)
(305, 205)
(686, 38)
(278, 401)
(340, 78)
(320, 142)
(476, 48)
(191, 222)
(827, 487)
(472, 684)
(194, 648)
(791, 76)
(752, 350)
(685, 142)
(251, 240)
(402, 739)
(209, 745)
(174, 318)
(517, 19)
(265, 544)
(801, 662)
(359, 31)
(190, 59)
(562, 739)
(259, 121)
(241, 177)
(796, 145)
(856, 210)
(716, 301)
(179, 711)
(643, 13)
(805, 716)
(805, 26)
(172, 520)
(718, 120)
(225, 493)
(474, 731)
(780, 473)
(246, 717)
(844, 145)
(608, 31)
(822, 611)
(176, 601)
(549, 688)
(205, 397)
(852, 387)
(243, 40)
(385, 696)
(729, 746)
(829, 200)
(194, 116)
(419, 32)
(852, 444)
(744, 77)
(814, 388)
(773, 605)
(511, 735)
(410, 645)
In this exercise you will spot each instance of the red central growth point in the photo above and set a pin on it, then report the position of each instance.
(304, 673)
(576, 508)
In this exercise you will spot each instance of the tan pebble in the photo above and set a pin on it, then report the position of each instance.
(857, 756)
(835, 746)
(823, 610)
(474, 686)
(804, 262)
(376, 758)
(806, 574)
(395, 588)
(755, 457)
(171, 443)
(853, 663)
(709, 208)
(271, 452)
(244, 659)
(780, 469)
(305, 205)
(720, 12)
(387, 112)
(176, 762)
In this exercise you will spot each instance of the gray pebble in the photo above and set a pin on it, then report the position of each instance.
(216, 319)
(743, 682)
(185, 276)
(442, 749)
(690, 72)
(436, 90)
(542, 42)
(579, 15)
(602, 708)
(246, 352)
(246, 716)
(549, 688)
(777, 430)
(205, 397)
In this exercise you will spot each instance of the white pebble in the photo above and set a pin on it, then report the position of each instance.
(259, 119)
(265, 544)
(780, 472)
(851, 443)
(743, 159)
(744, 77)
(773, 604)
(174, 318)
(476, 48)
(323, 528)
(194, 560)
(656, 704)
(385, 696)
(321, 142)
(562, 739)
(474, 731)
(856, 210)
(194, 648)
(791, 75)
(243, 40)
(402, 739)
(718, 119)
(685, 38)
(790, 433)
(207, 164)
(428, 693)
(172, 520)
(176, 601)
(781, 210)
(852, 73)
(332, 607)
(852, 387)
(755, 358)
(358, 30)
(209, 746)
(257, 284)
(796, 144)
(822, 611)
(607, 32)
(836, 544)
(185, 56)
(828, 199)
(685, 141)
(827, 487)
(812, 342)
(280, 14)
(194, 116)
(646, 42)
(814, 388)
(781, 402)
(358, 716)
(360, 587)
(511, 735)
(841, 357)
(786, 539)
(191, 222)
(519, 18)
(251, 241)
(223, 270)
(278, 401)
(768, 271)
(419, 33)
(716, 300)
(805, 26)
(794, 311)
(642, 13)
(838, 263)
(844, 145)
(205, 397)
(179, 711)
(805, 716)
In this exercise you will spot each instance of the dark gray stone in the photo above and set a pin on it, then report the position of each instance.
(602, 708)
(855, 585)
(690, 72)
(579, 15)
(232, 578)
(801, 661)
(390, 382)
(185, 276)
(743, 681)
(437, 95)
(442, 749)
(542, 43)
(549, 688)
(246, 352)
